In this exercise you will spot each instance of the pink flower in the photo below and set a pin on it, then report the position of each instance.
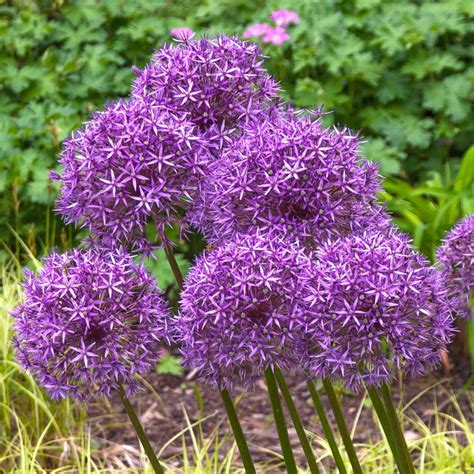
(255, 31)
(284, 17)
(182, 33)
(277, 36)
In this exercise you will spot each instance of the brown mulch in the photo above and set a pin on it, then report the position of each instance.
(164, 414)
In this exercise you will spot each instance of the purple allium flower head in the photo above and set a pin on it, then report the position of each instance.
(131, 164)
(376, 306)
(220, 83)
(456, 256)
(276, 36)
(182, 33)
(240, 308)
(284, 17)
(90, 321)
(289, 174)
(256, 30)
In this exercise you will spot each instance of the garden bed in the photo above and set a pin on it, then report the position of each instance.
(428, 398)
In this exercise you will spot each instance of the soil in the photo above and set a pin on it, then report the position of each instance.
(164, 409)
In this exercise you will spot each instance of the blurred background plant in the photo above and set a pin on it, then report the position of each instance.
(400, 72)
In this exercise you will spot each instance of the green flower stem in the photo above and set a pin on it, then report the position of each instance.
(280, 422)
(396, 427)
(341, 424)
(380, 410)
(140, 432)
(238, 433)
(326, 428)
(226, 398)
(173, 264)
(308, 451)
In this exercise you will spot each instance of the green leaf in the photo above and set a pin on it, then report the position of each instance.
(465, 176)
(170, 365)
(388, 157)
(450, 97)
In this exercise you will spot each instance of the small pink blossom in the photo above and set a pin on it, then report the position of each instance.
(255, 31)
(182, 33)
(277, 36)
(284, 17)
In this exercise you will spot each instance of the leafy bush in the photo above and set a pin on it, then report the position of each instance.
(398, 71)
(429, 210)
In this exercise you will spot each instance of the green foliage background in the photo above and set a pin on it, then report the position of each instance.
(400, 72)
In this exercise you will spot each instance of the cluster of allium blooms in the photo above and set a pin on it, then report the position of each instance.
(456, 256)
(293, 176)
(376, 306)
(204, 141)
(131, 164)
(277, 34)
(241, 309)
(90, 321)
(218, 83)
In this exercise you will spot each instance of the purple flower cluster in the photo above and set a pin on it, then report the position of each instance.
(290, 175)
(219, 84)
(456, 256)
(376, 306)
(132, 164)
(305, 271)
(277, 34)
(240, 308)
(90, 321)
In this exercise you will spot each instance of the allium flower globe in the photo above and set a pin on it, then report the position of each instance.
(89, 322)
(132, 164)
(219, 83)
(290, 175)
(376, 306)
(240, 308)
(456, 256)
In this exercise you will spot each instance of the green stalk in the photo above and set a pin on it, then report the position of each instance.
(226, 398)
(312, 464)
(396, 428)
(238, 433)
(382, 415)
(140, 432)
(173, 264)
(326, 428)
(341, 424)
(280, 422)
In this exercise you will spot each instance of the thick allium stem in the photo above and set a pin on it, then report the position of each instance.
(238, 432)
(326, 427)
(140, 432)
(173, 264)
(308, 451)
(396, 427)
(341, 424)
(381, 412)
(280, 422)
